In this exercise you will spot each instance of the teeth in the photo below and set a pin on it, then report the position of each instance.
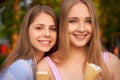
(45, 42)
(79, 36)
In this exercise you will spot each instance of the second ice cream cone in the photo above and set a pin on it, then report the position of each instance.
(91, 73)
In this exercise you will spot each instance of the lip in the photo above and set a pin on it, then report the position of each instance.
(80, 36)
(45, 42)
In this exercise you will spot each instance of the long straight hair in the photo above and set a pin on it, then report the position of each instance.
(23, 48)
(95, 50)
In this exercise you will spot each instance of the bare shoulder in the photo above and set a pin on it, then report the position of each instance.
(113, 59)
(113, 65)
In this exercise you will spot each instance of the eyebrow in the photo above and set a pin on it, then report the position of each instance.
(88, 17)
(73, 18)
(77, 18)
(40, 24)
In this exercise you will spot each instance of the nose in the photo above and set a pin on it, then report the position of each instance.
(47, 33)
(81, 27)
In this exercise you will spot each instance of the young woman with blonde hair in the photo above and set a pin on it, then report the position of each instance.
(79, 43)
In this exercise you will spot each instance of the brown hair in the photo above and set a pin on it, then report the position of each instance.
(23, 48)
(95, 47)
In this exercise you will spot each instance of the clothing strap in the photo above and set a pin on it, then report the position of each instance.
(53, 68)
(105, 57)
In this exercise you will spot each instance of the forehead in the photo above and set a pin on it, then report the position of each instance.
(79, 9)
(44, 17)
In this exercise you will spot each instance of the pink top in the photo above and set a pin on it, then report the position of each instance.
(55, 70)
(105, 57)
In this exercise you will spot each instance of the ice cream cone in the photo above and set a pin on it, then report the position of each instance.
(92, 71)
(42, 75)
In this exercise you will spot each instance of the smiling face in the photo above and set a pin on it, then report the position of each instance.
(80, 28)
(42, 33)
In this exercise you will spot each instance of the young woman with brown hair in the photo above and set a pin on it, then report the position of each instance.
(37, 39)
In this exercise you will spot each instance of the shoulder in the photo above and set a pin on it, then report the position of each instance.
(20, 70)
(113, 65)
(113, 59)
(21, 65)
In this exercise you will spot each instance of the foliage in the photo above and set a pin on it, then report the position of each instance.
(53, 3)
(108, 14)
(7, 20)
(2, 58)
(109, 18)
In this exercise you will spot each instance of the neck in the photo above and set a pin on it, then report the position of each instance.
(78, 52)
(39, 56)
(77, 56)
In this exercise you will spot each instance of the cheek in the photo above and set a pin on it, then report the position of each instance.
(54, 35)
(71, 28)
(90, 29)
(29, 33)
(33, 34)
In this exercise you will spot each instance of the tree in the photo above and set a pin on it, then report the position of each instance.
(108, 13)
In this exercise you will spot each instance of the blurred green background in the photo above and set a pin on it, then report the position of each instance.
(12, 13)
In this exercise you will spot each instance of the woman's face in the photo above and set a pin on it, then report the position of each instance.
(80, 28)
(42, 33)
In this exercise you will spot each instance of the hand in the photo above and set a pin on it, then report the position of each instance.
(99, 78)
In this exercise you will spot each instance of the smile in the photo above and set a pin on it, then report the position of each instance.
(45, 42)
(80, 36)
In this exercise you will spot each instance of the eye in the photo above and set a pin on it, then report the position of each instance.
(38, 27)
(88, 21)
(53, 28)
(73, 21)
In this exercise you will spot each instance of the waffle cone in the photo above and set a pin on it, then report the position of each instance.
(42, 76)
(91, 73)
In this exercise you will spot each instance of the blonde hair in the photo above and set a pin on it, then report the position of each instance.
(95, 47)
(23, 48)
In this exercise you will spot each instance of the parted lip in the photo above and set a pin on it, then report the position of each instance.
(45, 41)
(80, 35)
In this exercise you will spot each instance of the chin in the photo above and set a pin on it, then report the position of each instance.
(45, 50)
